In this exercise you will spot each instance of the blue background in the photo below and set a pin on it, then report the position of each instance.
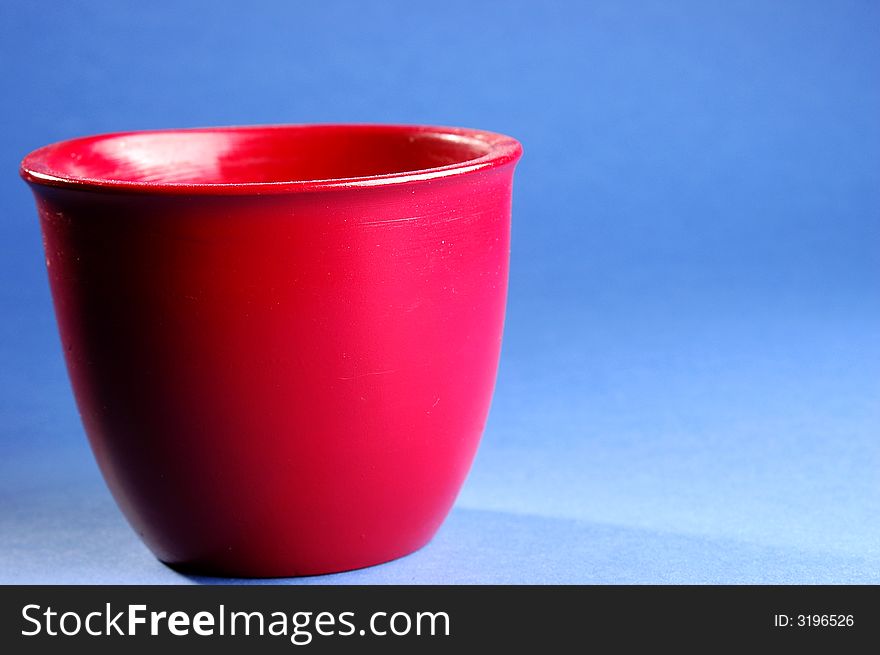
(690, 385)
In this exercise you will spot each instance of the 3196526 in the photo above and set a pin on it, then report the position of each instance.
(813, 621)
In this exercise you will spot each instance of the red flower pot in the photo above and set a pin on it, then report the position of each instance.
(283, 340)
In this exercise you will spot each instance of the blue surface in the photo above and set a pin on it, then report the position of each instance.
(690, 385)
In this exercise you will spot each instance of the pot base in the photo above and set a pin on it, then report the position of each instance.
(257, 570)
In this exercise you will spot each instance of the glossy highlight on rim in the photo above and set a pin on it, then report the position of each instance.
(477, 150)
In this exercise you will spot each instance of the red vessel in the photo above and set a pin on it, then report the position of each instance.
(283, 340)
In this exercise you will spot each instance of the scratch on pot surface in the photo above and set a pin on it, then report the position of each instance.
(443, 216)
(363, 375)
(393, 220)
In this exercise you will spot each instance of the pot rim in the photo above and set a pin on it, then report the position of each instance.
(497, 150)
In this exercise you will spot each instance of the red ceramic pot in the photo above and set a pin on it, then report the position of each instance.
(282, 340)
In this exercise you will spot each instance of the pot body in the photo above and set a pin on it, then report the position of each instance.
(282, 384)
